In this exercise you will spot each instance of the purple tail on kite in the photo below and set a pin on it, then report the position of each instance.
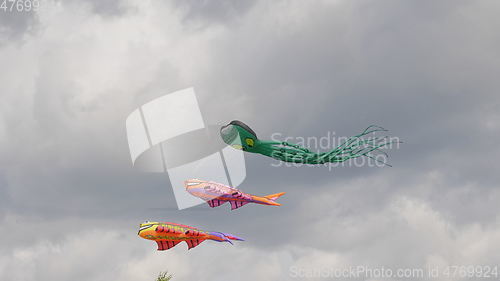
(225, 237)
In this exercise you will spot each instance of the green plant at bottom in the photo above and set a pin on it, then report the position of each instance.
(164, 276)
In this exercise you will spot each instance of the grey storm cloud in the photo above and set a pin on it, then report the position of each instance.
(13, 25)
(425, 70)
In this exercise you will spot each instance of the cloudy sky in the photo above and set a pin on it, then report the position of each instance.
(71, 73)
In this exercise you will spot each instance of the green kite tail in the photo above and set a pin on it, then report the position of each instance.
(240, 136)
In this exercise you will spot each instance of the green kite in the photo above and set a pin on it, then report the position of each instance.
(240, 136)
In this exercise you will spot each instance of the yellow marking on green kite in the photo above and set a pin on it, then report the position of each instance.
(249, 141)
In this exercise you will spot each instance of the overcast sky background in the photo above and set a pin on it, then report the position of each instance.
(71, 202)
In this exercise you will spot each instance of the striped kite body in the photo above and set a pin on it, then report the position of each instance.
(216, 194)
(168, 234)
